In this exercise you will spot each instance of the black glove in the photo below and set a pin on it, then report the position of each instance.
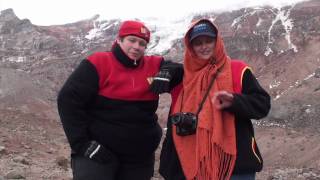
(161, 82)
(175, 70)
(95, 151)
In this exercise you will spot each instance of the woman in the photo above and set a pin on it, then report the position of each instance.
(223, 144)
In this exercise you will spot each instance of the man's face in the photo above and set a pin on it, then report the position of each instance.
(133, 46)
(203, 46)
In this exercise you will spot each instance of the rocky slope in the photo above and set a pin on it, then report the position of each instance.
(281, 45)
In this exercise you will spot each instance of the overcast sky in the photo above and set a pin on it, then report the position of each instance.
(45, 12)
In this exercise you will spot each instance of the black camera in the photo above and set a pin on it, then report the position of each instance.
(186, 123)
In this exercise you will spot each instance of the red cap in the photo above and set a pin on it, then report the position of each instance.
(134, 28)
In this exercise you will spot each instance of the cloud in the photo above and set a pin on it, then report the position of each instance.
(65, 11)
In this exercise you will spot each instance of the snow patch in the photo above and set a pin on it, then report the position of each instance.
(236, 22)
(288, 25)
(309, 76)
(277, 97)
(98, 29)
(274, 84)
(283, 16)
(18, 59)
(308, 110)
(270, 41)
(268, 51)
(212, 19)
(296, 84)
(259, 22)
(165, 32)
(95, 32)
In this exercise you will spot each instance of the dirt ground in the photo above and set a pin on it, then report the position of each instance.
(35, 148)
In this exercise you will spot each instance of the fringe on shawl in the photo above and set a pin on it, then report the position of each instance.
(215, 163)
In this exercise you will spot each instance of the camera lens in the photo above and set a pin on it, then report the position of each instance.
(175, 120)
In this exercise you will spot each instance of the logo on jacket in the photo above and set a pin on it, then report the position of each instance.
(150, 80)
(144, 31)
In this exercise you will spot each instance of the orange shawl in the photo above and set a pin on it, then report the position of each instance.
(209, 154)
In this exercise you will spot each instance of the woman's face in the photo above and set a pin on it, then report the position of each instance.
(203, 46)
(133, 46)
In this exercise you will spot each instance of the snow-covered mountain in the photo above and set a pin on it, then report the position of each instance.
(281, 44)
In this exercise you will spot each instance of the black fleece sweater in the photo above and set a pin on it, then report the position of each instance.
(107, 99)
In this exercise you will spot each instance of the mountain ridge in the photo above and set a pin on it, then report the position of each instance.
(280, 44)
(276, 42)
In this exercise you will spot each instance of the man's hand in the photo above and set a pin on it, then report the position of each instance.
(161, 82)
(98, 153)
(222, 99)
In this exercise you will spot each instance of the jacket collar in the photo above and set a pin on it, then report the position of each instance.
(123, 58)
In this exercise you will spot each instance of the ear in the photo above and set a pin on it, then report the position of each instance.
(118, 40)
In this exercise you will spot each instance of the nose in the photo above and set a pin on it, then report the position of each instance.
(202, 45)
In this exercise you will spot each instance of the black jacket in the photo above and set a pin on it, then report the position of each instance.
(107, 99)
(253, 103)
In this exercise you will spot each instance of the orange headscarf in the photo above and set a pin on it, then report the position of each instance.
(209, 154)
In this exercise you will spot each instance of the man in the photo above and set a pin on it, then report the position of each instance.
(108, 111)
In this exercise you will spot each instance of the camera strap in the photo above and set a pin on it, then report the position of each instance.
(206, 94)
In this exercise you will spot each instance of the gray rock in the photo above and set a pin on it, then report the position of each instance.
(317, 73)
(2, 149)
(15, 174)
(21, 159)
(63, 162)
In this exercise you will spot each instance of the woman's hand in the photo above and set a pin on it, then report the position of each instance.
(222, 99)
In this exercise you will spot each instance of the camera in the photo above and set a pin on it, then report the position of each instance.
(186, 123)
